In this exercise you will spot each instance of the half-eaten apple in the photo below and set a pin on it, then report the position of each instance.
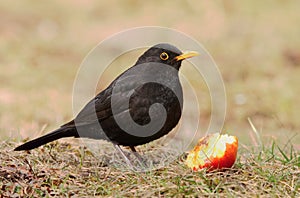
(214, 151)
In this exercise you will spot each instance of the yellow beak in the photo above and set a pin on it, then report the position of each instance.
(186, 55)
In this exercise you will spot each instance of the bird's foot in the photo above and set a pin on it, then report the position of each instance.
(137, 165)
(141, 161)
(127, 160)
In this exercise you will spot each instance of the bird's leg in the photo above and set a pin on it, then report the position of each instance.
(128, 162)
(137, 155)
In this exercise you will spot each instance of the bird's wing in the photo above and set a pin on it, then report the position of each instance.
(121, 89)
(100, 107)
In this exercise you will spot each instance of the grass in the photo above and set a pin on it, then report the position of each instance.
(67, 170)
(257, 54)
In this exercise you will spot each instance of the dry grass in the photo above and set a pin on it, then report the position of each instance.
(255, 45)
(66, 170)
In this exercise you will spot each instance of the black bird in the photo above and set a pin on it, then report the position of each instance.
(142, 104)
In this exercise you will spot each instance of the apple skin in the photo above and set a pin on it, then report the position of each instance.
(214, 151)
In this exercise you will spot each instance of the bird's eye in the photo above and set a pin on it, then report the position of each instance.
(164, 56)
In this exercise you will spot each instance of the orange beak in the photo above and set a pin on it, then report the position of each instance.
(186, 55)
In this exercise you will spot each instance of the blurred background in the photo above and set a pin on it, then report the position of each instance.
(256, 46)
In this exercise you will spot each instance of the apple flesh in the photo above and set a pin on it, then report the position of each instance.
(214, 151)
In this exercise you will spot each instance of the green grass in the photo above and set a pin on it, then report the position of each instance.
(255, 45)
(66, 170)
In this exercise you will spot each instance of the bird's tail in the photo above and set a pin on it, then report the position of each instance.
(54, 135)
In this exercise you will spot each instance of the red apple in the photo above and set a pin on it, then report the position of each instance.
(214, 151)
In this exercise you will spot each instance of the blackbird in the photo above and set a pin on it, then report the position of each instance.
(142, 104)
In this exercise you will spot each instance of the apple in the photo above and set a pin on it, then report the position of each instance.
(214, 151)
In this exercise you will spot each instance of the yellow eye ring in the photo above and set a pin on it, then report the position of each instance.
(164, 56)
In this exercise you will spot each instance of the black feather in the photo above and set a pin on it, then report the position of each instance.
(55, 135)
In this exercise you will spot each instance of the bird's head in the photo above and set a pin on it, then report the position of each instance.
(166, 54)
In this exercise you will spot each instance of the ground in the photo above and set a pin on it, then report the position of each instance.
(68, 170)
